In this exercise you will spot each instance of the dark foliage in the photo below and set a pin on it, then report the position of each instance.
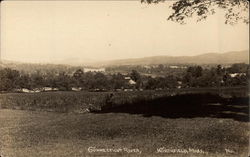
(235, 10)
(194, 76)
(187, 106)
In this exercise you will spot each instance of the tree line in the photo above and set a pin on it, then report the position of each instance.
(193, 76)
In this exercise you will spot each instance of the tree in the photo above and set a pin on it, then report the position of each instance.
(195, 71)
(187, 79)
(37, 80)
(171, 81)
(238, 68)
(118, 81)
(161, 67)
(151, 83)
(78, 74)
(100, 81)
(8, 79)
(78, 78)
(219, 70)
(63, 82)
(50, 79)
(88, 81)
(209, 78)
(235, 10)
(135, 76)
(24, 81)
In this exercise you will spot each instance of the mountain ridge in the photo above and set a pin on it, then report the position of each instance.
(207, 58)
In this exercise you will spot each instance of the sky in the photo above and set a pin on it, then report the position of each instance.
(51, 31)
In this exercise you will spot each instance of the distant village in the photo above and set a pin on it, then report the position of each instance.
(123, 78)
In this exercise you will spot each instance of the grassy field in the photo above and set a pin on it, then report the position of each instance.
(36, 134)
(163, 123)
(78, 102)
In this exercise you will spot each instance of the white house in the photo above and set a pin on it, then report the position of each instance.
(47, 89)
(94, 69)
(173, 67)
(237, 74)
(24, 90)
(130, 81)
(76, 89)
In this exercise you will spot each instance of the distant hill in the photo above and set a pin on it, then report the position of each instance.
(32, 67)
(209, 58)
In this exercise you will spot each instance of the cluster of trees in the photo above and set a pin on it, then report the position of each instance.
(12, 79)
(162, 82)
(160, 69)
(194, 76)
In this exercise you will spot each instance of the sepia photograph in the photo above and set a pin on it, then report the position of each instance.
(124, 78)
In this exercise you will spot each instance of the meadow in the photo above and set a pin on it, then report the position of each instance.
(50, 134)
(204, 122)
(79, 102)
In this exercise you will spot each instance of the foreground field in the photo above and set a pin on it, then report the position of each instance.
(78, 102)
(50, 134)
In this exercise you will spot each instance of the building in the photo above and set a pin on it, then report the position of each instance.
(237, 74)
(94, 69)
(130, 81)
(174, 67)
(76, 89)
